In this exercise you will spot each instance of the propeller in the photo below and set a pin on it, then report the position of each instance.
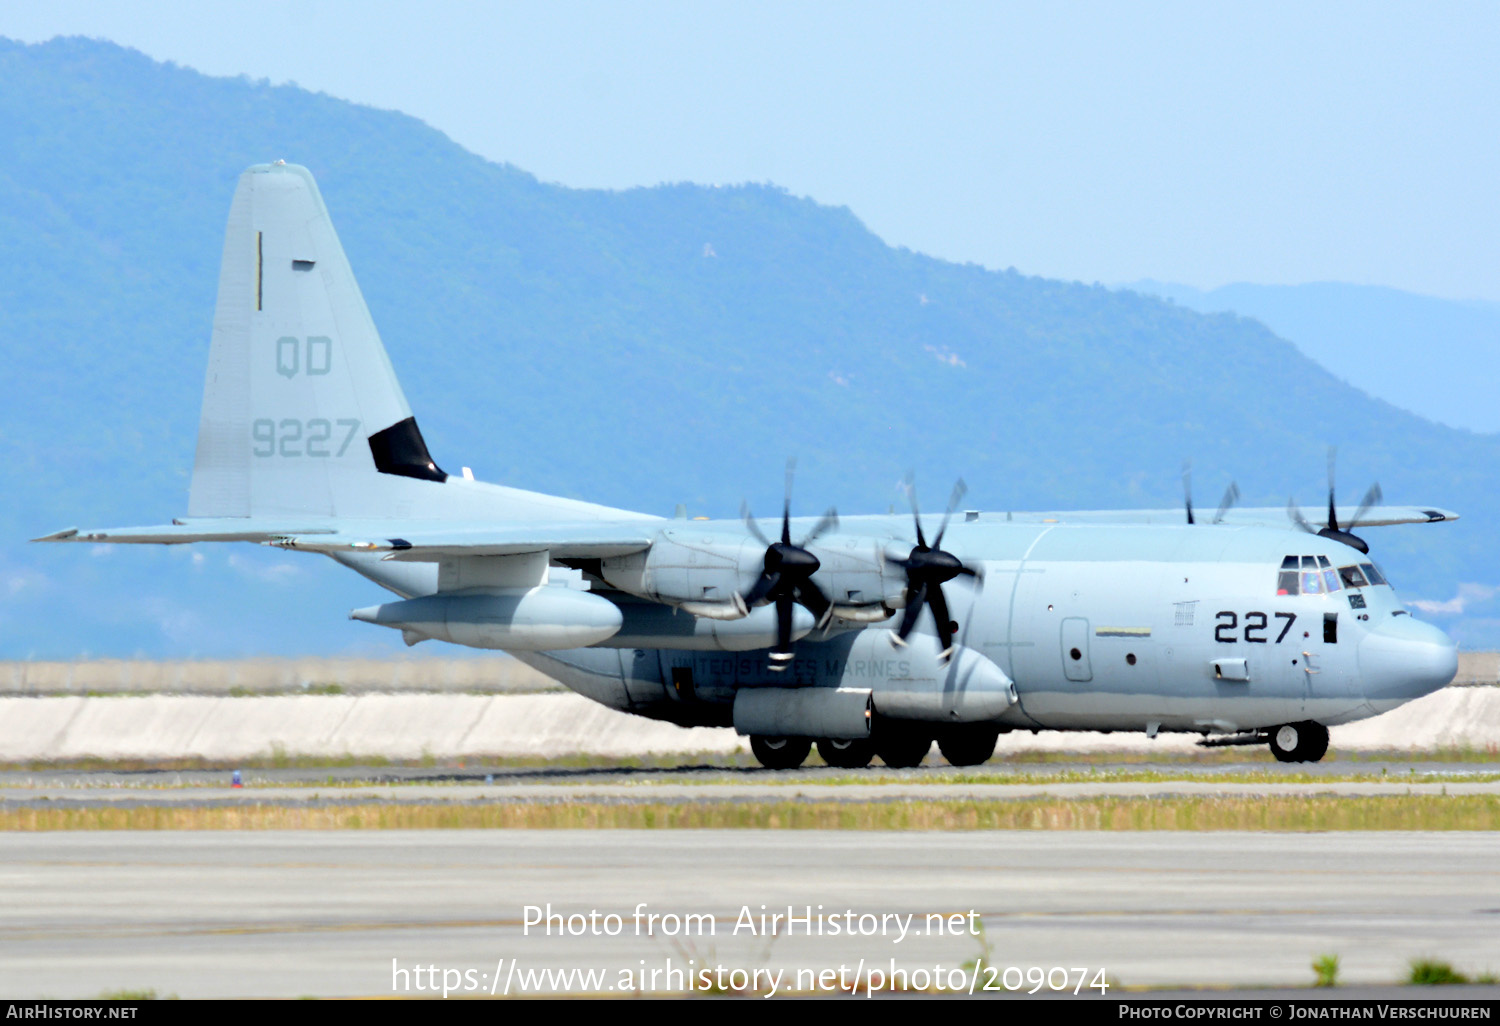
(1231, 495)
(928, 568)
(1333, 531)
(786, 575)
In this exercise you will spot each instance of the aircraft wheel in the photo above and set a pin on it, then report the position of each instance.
(1299, 742)
(968, 746)
(903, 749)
(846, 754)
(780, 753)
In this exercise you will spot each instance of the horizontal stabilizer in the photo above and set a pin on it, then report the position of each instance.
(233, 529)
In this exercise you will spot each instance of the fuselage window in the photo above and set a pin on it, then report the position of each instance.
(1373, 573)
(1352, 577)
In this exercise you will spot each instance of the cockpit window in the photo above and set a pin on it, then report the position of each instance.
(1373, 573)
(1352, 577)
(1315, 575)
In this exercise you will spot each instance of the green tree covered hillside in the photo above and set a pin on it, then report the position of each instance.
(638, 348)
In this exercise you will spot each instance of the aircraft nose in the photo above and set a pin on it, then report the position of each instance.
(1403, 658)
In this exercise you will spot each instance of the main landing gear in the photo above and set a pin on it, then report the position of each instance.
(1299, 742)
(898, 751)
(899, 747)
(968, 745)
(780, 753)
(851, 754)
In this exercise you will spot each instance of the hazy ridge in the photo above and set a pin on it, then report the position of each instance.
(638, 348)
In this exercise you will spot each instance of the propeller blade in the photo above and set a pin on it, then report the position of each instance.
(762, 588)
(753, 526)
(811, 596)
(786, 507)
(1187, 489)
(914, 604)
(782, 653)
(1295, 513)
(1231, 496)
(909, 485)
(830, 522)
(1373, 497)
(939, 606)
(959, 491)
(1333, 517)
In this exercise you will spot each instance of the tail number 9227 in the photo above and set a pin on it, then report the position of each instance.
(1256, 629)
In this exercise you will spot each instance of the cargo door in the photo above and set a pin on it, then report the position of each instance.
(1075, 649)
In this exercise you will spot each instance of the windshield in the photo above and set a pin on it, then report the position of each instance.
(1316, 575)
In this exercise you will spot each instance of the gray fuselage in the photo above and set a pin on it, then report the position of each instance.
(1098, 627)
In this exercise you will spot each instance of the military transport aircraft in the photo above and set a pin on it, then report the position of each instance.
(871, 635)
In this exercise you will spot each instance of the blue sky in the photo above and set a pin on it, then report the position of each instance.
(1187, 142)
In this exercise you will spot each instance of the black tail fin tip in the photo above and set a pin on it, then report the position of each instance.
(400, 450)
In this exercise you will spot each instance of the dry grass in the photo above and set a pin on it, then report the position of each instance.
(1003, 767)
(1480, 812)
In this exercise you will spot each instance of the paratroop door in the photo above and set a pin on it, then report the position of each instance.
(1075, 649)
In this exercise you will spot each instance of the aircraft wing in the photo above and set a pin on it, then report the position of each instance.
(1270, 516)
(418, 541)
(429, 545)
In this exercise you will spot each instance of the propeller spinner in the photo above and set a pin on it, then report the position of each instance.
(928, 568)
(786, 576)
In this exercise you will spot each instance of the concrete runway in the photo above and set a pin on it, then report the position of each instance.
(325, 913)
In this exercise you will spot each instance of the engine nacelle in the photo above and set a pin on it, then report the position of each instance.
(519, 620)
(707, 569)
(651, 625)
(689, 566)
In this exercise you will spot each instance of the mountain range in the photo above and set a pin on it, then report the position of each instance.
(640, 348)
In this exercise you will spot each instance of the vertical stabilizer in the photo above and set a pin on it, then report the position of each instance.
(302, 413)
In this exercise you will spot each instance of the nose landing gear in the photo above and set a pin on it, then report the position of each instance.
(1299, 742)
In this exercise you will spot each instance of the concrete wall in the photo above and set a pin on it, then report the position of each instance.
(482, 674)
(411, 726)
